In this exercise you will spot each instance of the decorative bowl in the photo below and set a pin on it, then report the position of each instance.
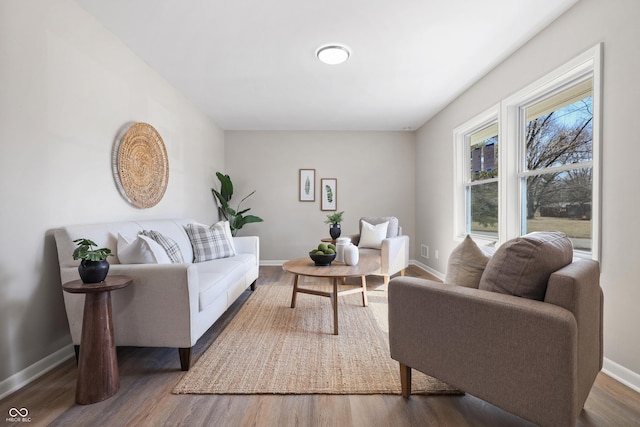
(322, 259)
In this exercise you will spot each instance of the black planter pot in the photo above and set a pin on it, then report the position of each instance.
(93, 271)
(335, 231)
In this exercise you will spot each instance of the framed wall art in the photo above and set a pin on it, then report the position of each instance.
(329, 201)
(307, 185)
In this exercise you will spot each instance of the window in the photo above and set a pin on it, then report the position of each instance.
(557, 177)
(531, 163)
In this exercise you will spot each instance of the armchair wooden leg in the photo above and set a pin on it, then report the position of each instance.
(386, 282)
(185, 358)
(405, 380)
(76, 348)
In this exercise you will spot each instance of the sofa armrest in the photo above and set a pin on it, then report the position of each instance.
(503, 349)
(164, 298)
(247, 245)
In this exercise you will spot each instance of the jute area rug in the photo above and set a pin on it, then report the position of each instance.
(271, 348)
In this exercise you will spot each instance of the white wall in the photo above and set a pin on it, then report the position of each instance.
(582, 27)
(375, 173)
(66, 86)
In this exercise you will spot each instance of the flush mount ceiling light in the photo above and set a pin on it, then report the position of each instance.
(333, 54)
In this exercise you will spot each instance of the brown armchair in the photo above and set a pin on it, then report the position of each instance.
(535, 359)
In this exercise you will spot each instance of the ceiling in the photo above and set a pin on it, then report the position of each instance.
(251, 65)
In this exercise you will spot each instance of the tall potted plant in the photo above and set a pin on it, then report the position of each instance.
(334, 219)
(236, 217)
(94, 266)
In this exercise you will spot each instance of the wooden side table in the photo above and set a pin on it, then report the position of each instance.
(98, 377)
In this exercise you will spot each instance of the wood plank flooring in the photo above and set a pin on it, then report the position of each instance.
(147, 376)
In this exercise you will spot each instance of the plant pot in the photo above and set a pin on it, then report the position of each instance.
(335, 231)
(93, 271)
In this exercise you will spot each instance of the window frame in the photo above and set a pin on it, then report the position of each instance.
(509, 114)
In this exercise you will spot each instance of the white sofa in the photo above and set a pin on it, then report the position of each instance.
(167, 305)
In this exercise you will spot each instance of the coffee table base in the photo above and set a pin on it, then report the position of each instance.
(332, 295)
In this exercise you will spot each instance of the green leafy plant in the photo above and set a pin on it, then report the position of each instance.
(334, 218)
(86, 252)
(236, 217)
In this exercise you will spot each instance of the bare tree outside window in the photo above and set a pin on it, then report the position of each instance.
(559, 149)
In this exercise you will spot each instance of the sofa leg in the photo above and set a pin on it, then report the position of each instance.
(185, 358)
(253, 285)
(76, 348)
(405, 380)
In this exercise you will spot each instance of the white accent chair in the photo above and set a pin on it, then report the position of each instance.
(394, 249)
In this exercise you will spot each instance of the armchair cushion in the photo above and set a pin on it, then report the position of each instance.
(371, 236)
(522, 266)
(466, 264)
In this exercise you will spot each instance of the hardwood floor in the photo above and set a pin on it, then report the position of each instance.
(147, 376)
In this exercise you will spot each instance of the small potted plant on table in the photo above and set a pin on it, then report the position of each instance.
(334, 219)
(94, 266)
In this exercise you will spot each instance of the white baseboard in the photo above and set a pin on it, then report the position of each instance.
(31, 373)
(271, 263)
(621, 374)
(428, 269)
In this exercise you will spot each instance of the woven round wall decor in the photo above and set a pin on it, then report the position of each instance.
(140, 165)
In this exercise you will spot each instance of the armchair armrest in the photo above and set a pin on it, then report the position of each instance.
(500, 348)
(394, 254)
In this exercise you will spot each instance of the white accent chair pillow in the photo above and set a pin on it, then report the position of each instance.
(141, 250)
(371, 236)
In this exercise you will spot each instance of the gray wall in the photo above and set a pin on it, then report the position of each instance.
(67, 86)
(375, 173)
(582, 27)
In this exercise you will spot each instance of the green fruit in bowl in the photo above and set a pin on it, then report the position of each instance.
(329, 252)
(332, 246)
(323, 247)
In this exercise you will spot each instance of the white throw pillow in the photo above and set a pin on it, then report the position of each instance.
(371, 236)
(211, 242)
(141, 250)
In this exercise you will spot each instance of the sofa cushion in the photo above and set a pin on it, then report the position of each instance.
(212, 242)
(466, 264)
(169, 245)
(522, 266)
(371, 236)
(141, 250)
(216, 276)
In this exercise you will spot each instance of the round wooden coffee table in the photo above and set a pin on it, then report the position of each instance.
(338, 272)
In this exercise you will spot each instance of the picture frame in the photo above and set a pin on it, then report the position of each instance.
(329, 191)
(307, 185)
